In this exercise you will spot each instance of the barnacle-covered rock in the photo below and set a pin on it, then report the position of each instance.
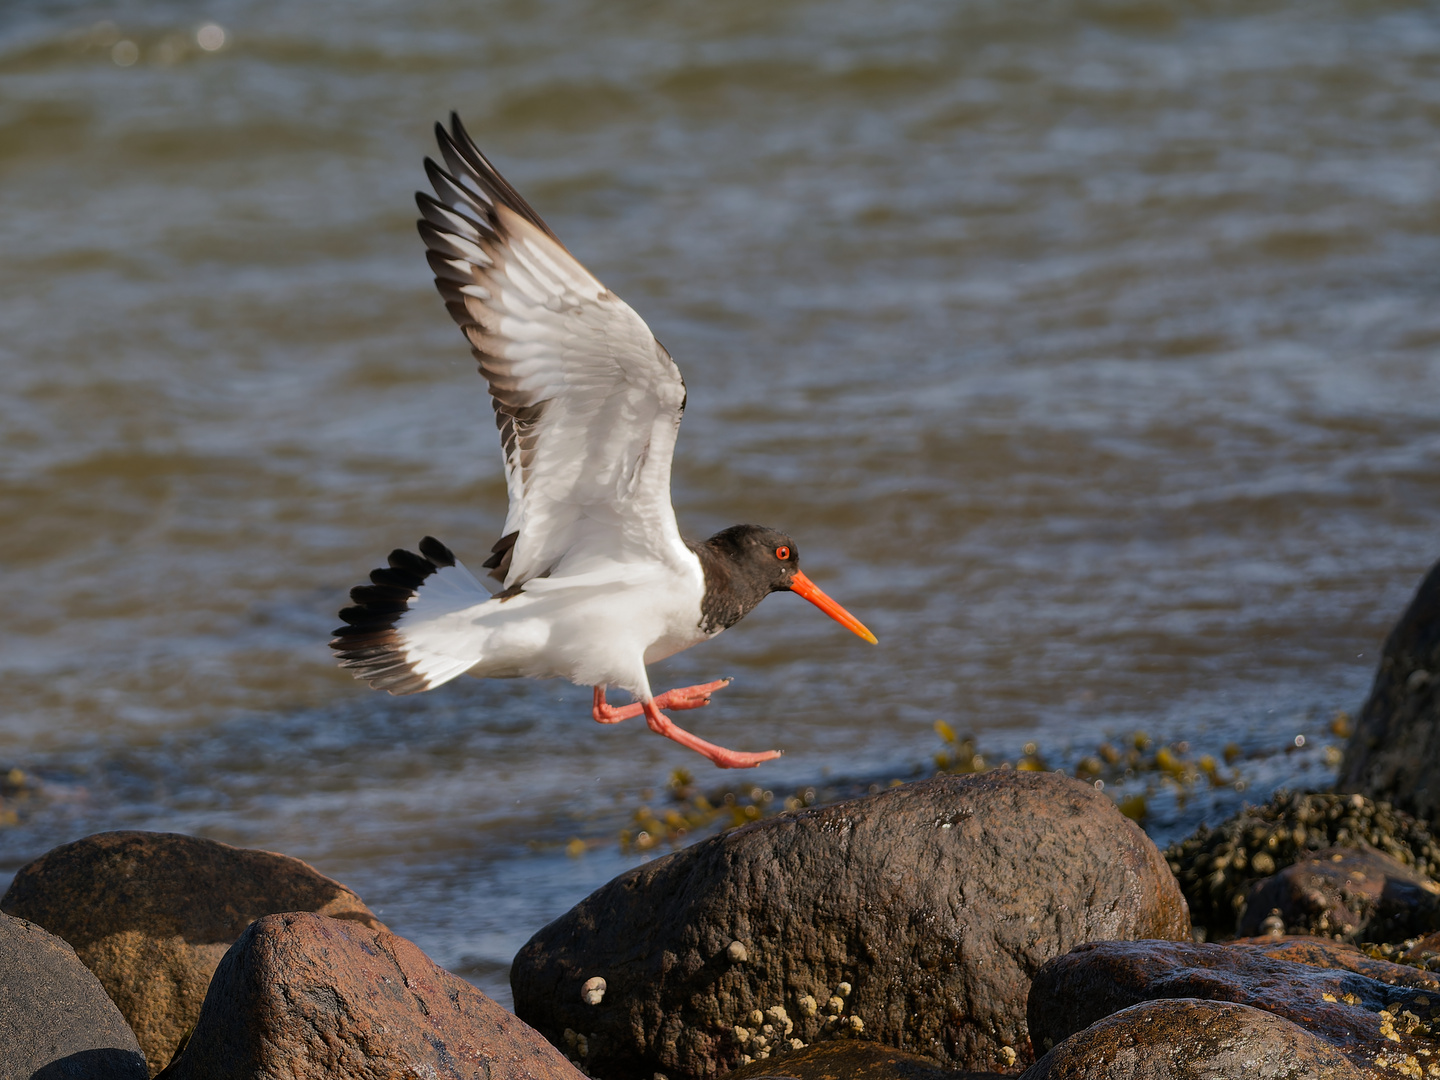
(1354, 894)
(1217, 867)
(1383, 1017)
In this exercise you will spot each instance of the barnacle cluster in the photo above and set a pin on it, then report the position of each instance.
(761, 1034)
(1409, 1021)
(1216, 867)
(1422, 953)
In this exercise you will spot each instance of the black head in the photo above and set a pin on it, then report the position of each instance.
(746, 563)
(766, 559)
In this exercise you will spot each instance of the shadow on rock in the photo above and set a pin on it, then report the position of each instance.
(56, 1020)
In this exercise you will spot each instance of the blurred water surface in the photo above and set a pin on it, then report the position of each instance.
(1089, 349)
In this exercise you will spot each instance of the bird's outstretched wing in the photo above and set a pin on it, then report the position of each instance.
(588, 403)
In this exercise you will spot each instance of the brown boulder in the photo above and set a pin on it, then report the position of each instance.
(1356, 893)
(1186, 1039)
(151, 914)
(1394, 753)
(310, 998)
(852, 1059)
(934, 901)
(1377, 1025)
(56, 1022)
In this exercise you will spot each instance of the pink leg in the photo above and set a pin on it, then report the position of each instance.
(725, 759)
(687, 697)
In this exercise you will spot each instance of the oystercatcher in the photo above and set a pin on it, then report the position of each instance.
(594, 579)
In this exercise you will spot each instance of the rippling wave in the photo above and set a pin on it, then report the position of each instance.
(1090, 350)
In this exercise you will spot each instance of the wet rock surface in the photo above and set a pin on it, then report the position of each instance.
(1395, 752)
(1359, 894)
(307, 997)
(930, 905)
(852, 1059)
(1324, 952)
(56, 1021)
(1384, 1028)
(1188, 1039)
(151, 914)
(1217, 868)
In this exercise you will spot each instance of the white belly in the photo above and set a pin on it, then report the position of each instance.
(587, 629)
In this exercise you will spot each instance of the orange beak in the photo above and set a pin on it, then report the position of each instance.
(801, 584)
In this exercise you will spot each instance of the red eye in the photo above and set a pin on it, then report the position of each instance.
(782, 553)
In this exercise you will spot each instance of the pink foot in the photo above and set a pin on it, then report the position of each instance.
(687, 697)
(605, 713)
(690, 697)
(725, 759)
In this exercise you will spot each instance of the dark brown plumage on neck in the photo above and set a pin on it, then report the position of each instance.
(743, 564)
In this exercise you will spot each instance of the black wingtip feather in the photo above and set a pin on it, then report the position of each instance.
(458, 141)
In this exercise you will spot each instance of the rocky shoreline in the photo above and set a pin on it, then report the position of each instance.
(1000, 923)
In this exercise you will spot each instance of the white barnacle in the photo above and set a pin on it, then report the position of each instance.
(593, 992)
(808, 1006)
(737, 952)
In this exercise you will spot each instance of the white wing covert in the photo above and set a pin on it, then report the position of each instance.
(588, 403)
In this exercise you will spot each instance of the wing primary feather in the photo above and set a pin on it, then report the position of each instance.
(451, 269)
(456, 247)
(437, 213)
(454, 194)
(458, 142)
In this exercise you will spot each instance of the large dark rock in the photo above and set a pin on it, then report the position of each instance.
(852, 1059)
(936, 901)
(1374, 1024)
(1186, 1039)
(56, 1022)
(310, 998)
(151, 914)
(1355, 893)
(1395, 752)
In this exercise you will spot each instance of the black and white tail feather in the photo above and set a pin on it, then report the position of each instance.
(384, 641)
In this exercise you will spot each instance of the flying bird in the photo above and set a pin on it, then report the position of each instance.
(593, 580)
